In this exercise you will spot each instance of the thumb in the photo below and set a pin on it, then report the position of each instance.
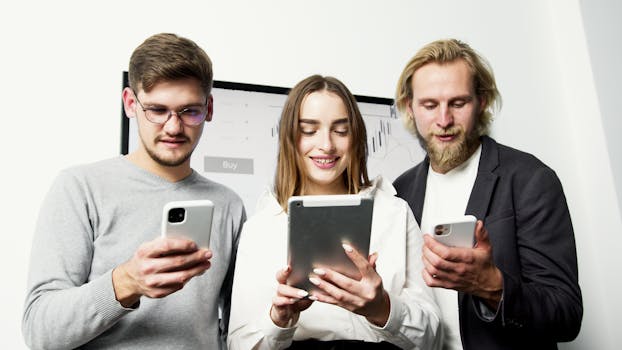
(282, 274)
(481, 235)
(372, 259)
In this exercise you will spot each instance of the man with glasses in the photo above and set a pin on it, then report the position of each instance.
(100, 275)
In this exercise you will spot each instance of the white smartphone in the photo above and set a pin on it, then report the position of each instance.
(189, 219)
(456, 233)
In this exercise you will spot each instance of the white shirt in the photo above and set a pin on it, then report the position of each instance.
(413, 320)
(446, 198)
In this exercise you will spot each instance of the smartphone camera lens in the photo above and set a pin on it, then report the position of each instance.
(440, 230)
(176, 215)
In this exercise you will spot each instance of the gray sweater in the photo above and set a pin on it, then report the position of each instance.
(92, 220)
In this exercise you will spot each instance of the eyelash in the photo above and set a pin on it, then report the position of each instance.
(312, 132)
(453, 105)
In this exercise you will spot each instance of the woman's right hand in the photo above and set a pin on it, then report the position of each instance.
(288, 302)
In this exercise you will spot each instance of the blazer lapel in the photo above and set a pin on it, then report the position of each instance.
(418, 192)
(484, 186)
(485, 181)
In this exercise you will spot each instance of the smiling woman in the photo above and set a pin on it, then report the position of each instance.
(323, 150)
(324, 143)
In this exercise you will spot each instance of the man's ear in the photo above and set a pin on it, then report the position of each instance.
(210, 108)
(129, 102)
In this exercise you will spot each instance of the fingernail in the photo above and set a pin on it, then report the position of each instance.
(312, 297)
(347, 247)
(314, 281)
(320, 272)
(302, 293)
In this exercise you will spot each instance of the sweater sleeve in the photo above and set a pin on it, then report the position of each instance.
(63, 308)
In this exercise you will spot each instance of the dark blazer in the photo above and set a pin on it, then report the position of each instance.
(523, 206)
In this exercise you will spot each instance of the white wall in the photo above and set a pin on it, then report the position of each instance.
(61, 63)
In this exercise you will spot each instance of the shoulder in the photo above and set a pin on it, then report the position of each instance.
(215, 191)
(410, 176)
(521, 170)
(84, 173)
(384, 193)
(520, 163)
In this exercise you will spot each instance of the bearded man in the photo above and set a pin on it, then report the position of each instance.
(517, 287)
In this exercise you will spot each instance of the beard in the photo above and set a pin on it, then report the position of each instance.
(167, 162)
(447, 156)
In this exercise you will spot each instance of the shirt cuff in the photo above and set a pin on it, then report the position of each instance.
(275, 335)
(484, 312)
(394, 322)
(106, 302)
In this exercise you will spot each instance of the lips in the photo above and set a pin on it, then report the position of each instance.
(324, 162)
(173, 142)
(445, 137)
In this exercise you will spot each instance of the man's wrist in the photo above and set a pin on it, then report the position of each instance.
(123, 291)
(492, 291)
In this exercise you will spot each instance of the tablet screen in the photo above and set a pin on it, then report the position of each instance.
(318, 226)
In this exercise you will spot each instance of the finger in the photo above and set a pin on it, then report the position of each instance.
(183, 261)
(291, 292)
(429, 279)
(282, 301)
(336, 279)
(359, 261)
(436, 266)
(167, 245)
(372, 260)
(448, 254)
(177, 279)
(331, 293)
(481, 235)
(282, 274)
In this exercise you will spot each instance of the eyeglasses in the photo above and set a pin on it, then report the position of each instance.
(189, 116)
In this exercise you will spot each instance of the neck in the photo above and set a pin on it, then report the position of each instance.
(169, 173)
(335, 188)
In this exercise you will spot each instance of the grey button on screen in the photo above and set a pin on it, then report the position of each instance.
(228, 165)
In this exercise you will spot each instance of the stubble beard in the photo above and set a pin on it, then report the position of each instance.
(167, 162)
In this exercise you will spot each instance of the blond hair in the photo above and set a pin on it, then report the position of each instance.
(447, 51)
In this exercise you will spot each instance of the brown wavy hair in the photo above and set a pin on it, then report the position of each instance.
(290, 179)
(168, 57)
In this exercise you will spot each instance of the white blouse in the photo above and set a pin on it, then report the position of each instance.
(414, 317)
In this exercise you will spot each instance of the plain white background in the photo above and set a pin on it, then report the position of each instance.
(60, 81)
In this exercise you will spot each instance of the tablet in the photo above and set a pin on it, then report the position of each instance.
(317, 228)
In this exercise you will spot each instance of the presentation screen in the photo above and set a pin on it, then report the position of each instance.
(238, 147)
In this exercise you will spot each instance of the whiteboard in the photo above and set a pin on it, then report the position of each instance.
(238, 147)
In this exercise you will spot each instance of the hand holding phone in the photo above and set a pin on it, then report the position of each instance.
(456, 233)
(189, 219)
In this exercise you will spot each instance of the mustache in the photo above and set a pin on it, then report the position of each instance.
(180, 137)
(454, 130)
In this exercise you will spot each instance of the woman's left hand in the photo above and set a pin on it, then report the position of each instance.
(365, 297)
